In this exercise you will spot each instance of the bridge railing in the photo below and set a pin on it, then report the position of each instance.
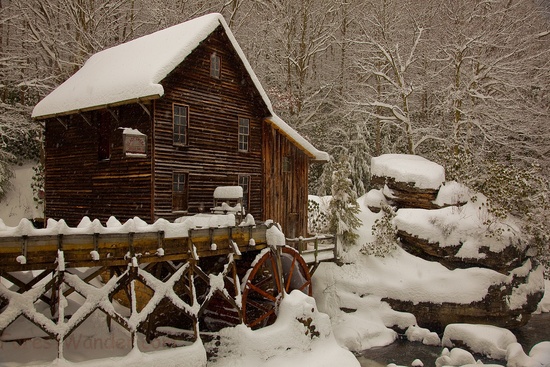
(315, 249)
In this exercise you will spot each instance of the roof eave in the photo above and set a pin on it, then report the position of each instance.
(315, 155)
(99, 107)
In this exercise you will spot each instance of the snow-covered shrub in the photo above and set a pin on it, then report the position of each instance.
(19, 140)
(37, 184)
(521, 191)
(524, 193)
(5, 175)
(343, 207)
(383, 230)
(317, 220)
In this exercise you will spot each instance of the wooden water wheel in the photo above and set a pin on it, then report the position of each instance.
(263, 284)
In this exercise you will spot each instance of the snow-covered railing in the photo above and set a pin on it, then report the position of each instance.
(315, 249)
(128, 257)
(91, 244)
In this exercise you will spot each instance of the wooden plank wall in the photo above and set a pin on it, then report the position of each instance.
(77, 184)
(215, 105)
(285, 193)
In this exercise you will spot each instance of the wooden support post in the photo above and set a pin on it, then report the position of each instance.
(160, 236)
(96, 244)
(279, 264)
(236, 282)
(193, 296)
(24, 245)
(58, 297)
(131, 250)
(316, 247)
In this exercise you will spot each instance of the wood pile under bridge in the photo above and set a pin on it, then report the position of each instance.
(173, 286)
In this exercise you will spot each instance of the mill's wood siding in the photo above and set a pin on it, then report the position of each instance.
(212, 157)
(285, 193)
(78, 184)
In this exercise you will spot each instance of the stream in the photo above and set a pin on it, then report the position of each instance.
(403, 352)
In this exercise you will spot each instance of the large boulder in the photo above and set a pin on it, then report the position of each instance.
(407, 181)
(442, 221)
(507, 305)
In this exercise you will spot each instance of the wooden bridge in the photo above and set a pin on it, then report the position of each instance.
(209, 279)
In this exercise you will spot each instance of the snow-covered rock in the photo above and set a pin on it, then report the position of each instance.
(539, 356)
(412, 169)
(301, 336)
(374, 200)
(455, 357)
(488, 340)
(425, 336)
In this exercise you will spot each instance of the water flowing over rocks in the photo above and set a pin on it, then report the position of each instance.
(437, 221)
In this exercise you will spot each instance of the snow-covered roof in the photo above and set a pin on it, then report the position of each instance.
(133, 71)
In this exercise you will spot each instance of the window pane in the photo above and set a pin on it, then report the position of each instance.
(180, 124)
(244, 132)
(179, 191)
(215, 65)
(244, 182)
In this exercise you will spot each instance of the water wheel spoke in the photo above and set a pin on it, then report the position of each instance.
(262, 306)
(304, 286)
(262, 318)
(262, 292)
(268, 279)
(290, 273)
(264, 280)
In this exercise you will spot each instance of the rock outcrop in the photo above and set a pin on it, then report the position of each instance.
(436, 221)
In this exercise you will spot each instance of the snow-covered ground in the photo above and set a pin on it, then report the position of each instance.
(347, 315)
(18, 202)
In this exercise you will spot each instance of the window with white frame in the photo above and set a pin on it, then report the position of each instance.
(244, 134)
(180, 119)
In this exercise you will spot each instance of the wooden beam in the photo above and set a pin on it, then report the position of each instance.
(62, 123)
(113, 114)
(85, 118)
(144, 108)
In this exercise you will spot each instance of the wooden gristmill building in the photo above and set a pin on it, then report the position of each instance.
(151, 127)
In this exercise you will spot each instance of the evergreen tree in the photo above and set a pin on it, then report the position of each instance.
(343, 207)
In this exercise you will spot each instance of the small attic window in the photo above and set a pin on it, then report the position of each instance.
(215, 65)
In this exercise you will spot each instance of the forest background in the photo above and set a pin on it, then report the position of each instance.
(463, 83)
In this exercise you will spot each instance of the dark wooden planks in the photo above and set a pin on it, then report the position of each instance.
(211, 157)
(78, 184)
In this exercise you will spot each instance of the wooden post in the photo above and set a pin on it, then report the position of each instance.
(316, 247)
(279, 264)
(59, 298)
(192, 295)
(237, 284)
